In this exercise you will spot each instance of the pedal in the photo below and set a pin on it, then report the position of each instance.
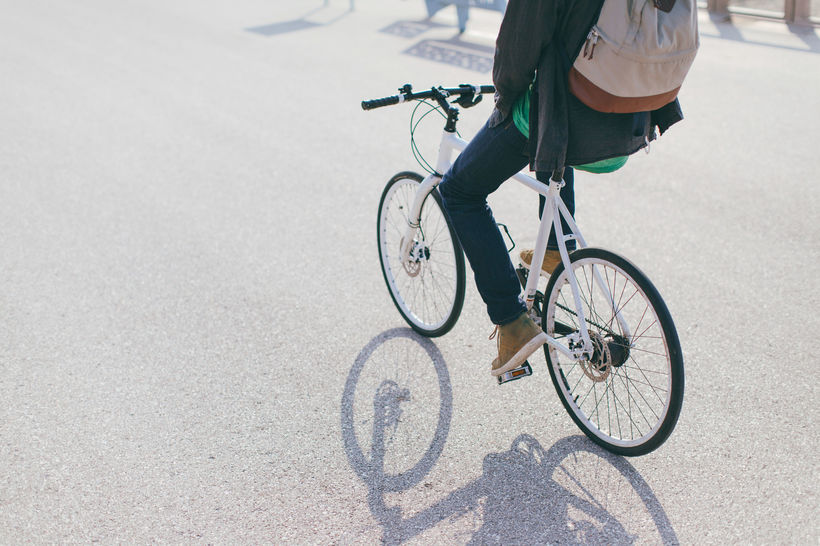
(517, 373)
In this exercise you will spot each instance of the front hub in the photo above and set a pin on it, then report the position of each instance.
(419, 253)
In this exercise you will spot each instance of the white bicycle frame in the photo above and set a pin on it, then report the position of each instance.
(580, 346)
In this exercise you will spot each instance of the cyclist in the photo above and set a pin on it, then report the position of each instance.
(536, 122)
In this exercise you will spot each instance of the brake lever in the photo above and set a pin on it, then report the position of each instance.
(470, 99)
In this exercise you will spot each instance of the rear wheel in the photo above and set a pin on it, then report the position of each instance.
(428, 289)
(627, 397)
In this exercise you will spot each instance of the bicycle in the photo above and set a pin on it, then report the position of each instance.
(612, 349)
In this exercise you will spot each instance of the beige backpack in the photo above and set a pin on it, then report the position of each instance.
(636, 56)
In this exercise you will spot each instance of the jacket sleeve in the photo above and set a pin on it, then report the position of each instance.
(667, 116)
(527, 28)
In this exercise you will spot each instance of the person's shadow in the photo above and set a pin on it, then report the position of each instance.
(323, 15)
(574, 492)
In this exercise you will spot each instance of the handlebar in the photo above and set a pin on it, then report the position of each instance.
(469, 95)
(378, 103)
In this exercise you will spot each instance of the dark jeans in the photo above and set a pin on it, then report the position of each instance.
(493, 156)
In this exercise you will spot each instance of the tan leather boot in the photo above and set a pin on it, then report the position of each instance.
(516, 342)
(551, 260)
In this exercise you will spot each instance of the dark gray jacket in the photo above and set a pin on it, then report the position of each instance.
(537, 40)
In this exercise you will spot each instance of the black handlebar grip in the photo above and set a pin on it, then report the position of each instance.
(376, 103)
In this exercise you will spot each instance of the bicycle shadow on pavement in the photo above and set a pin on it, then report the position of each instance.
(391, 384)
(575, 492)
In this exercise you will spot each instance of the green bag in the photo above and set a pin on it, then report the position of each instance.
(603, 166)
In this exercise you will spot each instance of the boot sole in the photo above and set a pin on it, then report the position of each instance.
(522, 354)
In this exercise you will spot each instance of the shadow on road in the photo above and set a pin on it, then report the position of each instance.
(399, 377)
(411, 29)
(393, 435)
(304, 22)
(727, 30)
(456, 51)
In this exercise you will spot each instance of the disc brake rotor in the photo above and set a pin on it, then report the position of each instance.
(599, 366)
(412, 266)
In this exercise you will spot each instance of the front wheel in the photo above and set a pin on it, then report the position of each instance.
(428, 289)
(628, 394)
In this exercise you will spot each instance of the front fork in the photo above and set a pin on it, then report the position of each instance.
(414, 216)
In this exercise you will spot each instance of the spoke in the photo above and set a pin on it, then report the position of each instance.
(644, 336)
(646, 402)
(428, 299)
(595, 409)
(646, 378)
(665, 374)
(647, 351)
(648, 384)
(608, 410)
(645, 330)
(581, 403)
(571, 313)
(580, 486)
(611, 291)
(569, 308)
(404, 203)
(440, 291)
(599, 318)
(414, 289)
(440, 230)
(597, 405)
(616, 308)
(572, 390)
(583, 298)
(589, 282)
(632, 422)
(440, 288)
(607, 391)
(622, 307)
(595, 318)
(398, 227)
(638, 326)
(425, 303)
(618, 415)
(443, 276)
(615, 402)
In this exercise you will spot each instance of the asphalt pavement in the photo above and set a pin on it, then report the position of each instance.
(196, 343)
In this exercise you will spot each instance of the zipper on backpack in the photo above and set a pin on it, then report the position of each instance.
(589, 45)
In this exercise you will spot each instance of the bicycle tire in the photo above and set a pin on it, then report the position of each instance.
(641, 374)
(429, 293)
